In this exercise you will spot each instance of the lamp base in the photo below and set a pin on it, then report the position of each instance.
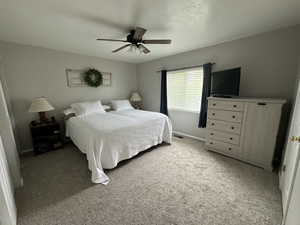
(137, 105)
(43, 117)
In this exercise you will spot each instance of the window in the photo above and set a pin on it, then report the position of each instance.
(185, 89)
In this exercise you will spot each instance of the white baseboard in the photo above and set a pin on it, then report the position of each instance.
(26, 150)
(21, 182)
(187, 135)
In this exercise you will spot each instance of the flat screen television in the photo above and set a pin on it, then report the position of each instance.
(225, 83)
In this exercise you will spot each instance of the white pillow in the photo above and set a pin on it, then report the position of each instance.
(119, 105)
(106, 107)
(85, 108)
(69, 111)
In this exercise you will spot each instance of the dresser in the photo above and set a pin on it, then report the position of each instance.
(244, 128)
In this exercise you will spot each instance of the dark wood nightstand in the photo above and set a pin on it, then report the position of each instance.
(46, 136)
(137, 105)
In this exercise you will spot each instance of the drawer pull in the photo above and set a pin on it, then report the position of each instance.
(213, 114)
(261, 103)
(233, 117)
(212, 124)
(214, 104)
(234, 106)
(230, 138)
(232, 128)
(211, 133)
(229, 149)
(210, 143)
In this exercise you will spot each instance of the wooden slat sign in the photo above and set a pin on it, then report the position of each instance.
(75, 78)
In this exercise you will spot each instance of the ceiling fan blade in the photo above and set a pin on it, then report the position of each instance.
(162, 41)
(118, 49)
(139, 33)
(144, 49)
(104, 39)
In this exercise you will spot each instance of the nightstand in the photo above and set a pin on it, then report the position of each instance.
(137, 105)
(45, 136)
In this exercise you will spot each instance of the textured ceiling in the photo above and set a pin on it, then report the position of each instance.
(73, 25)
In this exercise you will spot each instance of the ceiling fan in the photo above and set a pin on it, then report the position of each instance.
(135, 40)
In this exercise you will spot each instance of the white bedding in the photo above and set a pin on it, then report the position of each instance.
(108, 138)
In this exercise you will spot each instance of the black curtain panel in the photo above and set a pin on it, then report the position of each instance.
(205, 93)
(163, 93)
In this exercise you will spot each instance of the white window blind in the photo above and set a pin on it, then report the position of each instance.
(184, 89)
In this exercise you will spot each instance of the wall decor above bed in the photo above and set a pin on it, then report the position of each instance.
(93, 77)
(76, 78)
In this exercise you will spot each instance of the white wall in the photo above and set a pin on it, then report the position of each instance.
(268, 64)
(33, 72)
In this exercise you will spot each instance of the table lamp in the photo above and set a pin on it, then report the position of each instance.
(136, 100)
(41, 105)
(135, 97)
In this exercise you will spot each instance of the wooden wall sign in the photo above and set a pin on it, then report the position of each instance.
(75, 78)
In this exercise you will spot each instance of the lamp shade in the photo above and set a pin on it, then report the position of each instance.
(40, 105)
(135, 97)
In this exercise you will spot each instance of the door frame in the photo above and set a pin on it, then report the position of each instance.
(12, 152)
(7, 190)
(7, 182)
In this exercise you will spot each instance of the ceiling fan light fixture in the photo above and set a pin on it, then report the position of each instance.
(132, 48)
(141, 50)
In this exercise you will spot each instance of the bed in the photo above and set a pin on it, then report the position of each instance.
(108, 138)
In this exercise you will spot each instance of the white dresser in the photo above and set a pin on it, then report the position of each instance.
(244, 128)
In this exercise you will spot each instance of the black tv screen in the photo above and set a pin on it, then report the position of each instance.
(226, 83)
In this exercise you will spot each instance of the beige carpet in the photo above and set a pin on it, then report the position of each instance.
(177, 184)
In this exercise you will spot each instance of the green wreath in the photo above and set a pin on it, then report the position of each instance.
(93, 78)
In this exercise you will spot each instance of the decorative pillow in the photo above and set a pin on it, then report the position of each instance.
(68, 113)
(85, 108)
(119, 105)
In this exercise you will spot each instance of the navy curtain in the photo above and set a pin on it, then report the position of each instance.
(205, 93)
(163, 93)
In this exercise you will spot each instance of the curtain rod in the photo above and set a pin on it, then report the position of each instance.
(183, 68)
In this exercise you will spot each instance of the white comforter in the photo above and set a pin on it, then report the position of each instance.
(111, 137)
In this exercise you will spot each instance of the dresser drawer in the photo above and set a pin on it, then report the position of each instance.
(229, 116)
(222, 147)
(226, 105)
(224, 126)
(224, 137)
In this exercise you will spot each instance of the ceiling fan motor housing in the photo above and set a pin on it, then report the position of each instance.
(130, 38)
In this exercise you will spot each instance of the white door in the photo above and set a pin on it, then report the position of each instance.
(292, 215)
(291, 157)
(263, 121)
(8, 212)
